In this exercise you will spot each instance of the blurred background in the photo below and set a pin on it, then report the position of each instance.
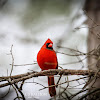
(27, 24)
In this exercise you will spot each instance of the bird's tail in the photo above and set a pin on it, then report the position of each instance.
(52, 90)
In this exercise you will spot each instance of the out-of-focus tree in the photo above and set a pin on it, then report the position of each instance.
(2, 3)
(92, 11)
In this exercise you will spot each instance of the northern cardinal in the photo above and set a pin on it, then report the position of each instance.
(47, 59)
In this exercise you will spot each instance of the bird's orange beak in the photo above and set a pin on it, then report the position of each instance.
(50, 45)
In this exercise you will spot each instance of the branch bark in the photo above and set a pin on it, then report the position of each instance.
(21, 77)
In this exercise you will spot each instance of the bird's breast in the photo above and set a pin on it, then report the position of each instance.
(47, 59)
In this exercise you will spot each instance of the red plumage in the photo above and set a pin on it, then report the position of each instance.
(47, 59)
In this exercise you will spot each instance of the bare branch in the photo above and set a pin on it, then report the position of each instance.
(25, 76)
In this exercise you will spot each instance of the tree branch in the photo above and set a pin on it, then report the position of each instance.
(21, 77)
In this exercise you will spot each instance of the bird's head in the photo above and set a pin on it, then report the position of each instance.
(48, 44)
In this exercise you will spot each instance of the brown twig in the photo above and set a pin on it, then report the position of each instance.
(89, 93)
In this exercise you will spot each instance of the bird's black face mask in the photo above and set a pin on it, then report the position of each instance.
(49, 46)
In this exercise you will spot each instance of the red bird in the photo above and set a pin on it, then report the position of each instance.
(47, 59)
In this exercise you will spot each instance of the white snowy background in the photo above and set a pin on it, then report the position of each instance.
(26, 25)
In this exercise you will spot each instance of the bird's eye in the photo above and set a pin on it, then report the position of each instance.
(47, 44)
